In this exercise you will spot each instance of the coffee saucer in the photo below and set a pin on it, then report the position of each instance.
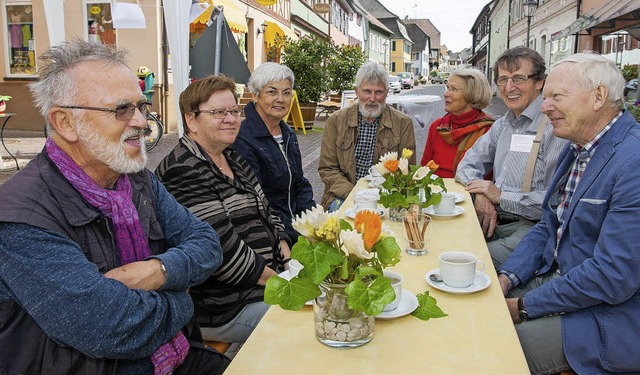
(351, 213)
(287, 276)
(408, 303)
(456, 212)
(480, 282)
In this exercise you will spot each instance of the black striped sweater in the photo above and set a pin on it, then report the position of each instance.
(239, 212)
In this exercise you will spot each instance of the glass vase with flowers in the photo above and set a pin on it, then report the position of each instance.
(407, 185)
(343, 274)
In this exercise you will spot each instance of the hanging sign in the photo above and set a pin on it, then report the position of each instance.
(267, 3)
(95, 10)
(321, 8)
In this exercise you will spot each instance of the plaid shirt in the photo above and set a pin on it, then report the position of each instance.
(583, 156)
(365, 142)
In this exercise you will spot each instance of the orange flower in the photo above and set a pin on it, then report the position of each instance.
(432, 165)
(391, 165)
(369, 225)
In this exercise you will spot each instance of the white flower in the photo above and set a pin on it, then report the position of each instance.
(354, 244)
(403, 165)
(380, 167)
(421, 173)
(309, 220)
(388, 156)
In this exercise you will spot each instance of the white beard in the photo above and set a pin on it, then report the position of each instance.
(110, 153)
(370, 113)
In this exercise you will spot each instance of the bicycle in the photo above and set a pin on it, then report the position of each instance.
(153, 132)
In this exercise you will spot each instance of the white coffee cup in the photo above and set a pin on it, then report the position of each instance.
(396, 283)
(374, 172)
(294, 267)
(365, 202)
(458, 268)
(446, 206)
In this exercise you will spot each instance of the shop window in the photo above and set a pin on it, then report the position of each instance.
(99, 23)
(21, 47)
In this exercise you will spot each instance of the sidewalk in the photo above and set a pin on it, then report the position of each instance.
(26, 145)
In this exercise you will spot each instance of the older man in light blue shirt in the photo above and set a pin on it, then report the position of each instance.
(506, 209)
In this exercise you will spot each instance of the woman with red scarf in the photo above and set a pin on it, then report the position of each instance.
(468, 92)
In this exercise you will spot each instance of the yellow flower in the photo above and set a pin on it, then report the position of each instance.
(369, 225)
(406, 153)
(432, 165)
(329, 229)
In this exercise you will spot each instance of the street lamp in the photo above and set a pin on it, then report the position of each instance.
(530, 7)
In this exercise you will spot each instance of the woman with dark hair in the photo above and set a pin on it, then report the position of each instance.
(220, 188)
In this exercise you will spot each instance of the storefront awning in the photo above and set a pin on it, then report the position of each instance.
(598, 15)
(273, 29)
(235, 16)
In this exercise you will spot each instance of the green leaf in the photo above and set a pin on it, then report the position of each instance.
(345, 225)
(427, 308)
(370, 299)
(290, 295)
(388, 251)
(364, 271)
(319, 259)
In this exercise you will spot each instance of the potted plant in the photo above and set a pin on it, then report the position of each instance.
(406, 185)
(308, 59)
(3, 102)
(343, 274)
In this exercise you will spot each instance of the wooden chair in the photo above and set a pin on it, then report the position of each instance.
(221, 347)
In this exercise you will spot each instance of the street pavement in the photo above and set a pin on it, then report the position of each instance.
(25, 145)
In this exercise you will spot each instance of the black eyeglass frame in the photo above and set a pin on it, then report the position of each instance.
(126, 110)
(528, 77)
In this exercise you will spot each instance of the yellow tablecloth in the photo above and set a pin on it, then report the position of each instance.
(476, 338)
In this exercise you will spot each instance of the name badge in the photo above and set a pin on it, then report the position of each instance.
(521, 142)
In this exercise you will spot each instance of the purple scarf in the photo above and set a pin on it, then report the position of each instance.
(131, 240)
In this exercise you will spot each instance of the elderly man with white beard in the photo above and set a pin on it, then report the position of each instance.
(95, 255)
(355, 137)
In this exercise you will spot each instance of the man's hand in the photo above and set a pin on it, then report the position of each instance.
(488, 188)
(146, 275)
(505, 284)
(487, 214)
(286, 252)
(512, 304)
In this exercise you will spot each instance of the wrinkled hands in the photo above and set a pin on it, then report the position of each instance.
(487, 196)
(146, 275)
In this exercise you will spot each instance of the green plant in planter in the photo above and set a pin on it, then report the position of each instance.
(308, 58)
(634, 111)
(343, 66)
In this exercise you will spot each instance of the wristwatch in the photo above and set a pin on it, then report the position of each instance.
(522, 312)
(162, 267)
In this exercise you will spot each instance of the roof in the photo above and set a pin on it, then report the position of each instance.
(418, 36)
(398, 27)
(426, 26)
(376, 9)
(374, 21)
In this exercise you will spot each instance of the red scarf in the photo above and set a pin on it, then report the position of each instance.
(463, 131)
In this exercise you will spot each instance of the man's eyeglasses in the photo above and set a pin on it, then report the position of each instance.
(517, 79)
(287, 94)
(220, 113)
(124, 112)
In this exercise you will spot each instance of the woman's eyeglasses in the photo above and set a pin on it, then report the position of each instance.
(517, 79)
(220, 113)
(287, 94)
(124, 112)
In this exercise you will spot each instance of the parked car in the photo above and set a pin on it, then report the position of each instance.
(394, 84)
(406, 79)
(632, 85)
(440, 78)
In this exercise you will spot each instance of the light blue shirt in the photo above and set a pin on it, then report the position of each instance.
(493, 153)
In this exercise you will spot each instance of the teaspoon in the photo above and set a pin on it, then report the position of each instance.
(435, 277)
